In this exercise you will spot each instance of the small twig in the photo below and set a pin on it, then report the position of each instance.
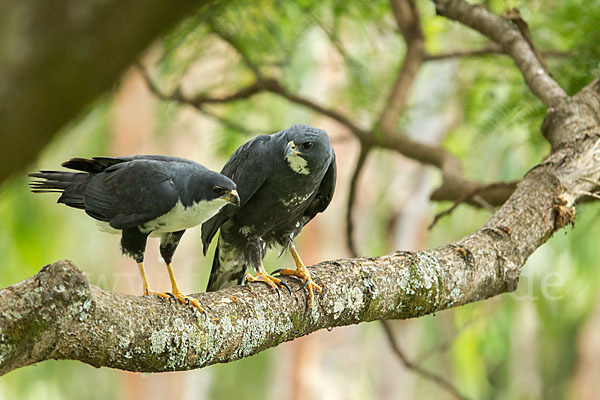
(151, 84)
(435, 378)
(200, 101)
(472, 195)
(515, 16)
(229, 40)
(231, 124)
(448, 211)
(586, 193)
(440, 347)
(484, 204)
(485, 52)
(588, 180)
(360, 162)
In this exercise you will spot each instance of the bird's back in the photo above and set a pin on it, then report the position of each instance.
(134, 188)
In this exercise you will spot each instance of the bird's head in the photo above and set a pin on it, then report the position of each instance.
(214, 187)
(307, 149)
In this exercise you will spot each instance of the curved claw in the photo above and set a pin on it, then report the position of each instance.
(273, 282)
(277, 271)
(172, 297)
(304, 285)
(285, 285)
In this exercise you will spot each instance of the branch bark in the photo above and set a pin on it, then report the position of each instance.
(57, 315)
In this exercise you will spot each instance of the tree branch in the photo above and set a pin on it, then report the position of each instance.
(485, 52)
(454, 185)
(57, 315)
(472, 197)
(360, 163)
(435, 378)
(408, 21)
(513, 41)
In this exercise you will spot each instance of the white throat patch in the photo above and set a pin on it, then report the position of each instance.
(297, 164)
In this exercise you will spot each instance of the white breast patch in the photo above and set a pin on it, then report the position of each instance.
(180, 217)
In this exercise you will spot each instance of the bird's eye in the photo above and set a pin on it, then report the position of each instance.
(307, 145)
(217, 190)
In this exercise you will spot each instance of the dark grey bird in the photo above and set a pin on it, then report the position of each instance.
(284, 180)
(141, 196)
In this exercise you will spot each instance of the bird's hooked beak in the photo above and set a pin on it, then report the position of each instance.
(290, 149)
(233, 198)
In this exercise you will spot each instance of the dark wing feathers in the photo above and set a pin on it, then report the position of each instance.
(324, 194)
(124, 191)
(249, 179)
(248, 167)
(93, 165)
(130, 194)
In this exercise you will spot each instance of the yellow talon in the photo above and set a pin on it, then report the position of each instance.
(302, 272)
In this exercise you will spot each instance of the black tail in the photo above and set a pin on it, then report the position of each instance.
(212, 280)
(222, 276)
(70, 184)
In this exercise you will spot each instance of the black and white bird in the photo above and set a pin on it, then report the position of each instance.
(141, 196)
(284, 180)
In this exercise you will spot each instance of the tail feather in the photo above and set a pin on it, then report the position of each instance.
(91, 165)
(226, 274)
(212, 280)
(70, 184)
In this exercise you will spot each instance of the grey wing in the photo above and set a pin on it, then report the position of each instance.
(99, 164)
(324, 193)
(130, 194)
(249, 168)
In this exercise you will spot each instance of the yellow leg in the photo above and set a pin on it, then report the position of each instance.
(174, 287)
(263, 276)
(144, 279)
(175, 293)
(302, 272)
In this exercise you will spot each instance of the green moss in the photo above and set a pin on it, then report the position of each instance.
(371, 313)
(420, 286)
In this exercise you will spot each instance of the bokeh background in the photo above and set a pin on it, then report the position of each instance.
(542, 341)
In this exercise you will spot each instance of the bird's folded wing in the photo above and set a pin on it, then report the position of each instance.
(324, 193)
(249, 167)
(132, 193)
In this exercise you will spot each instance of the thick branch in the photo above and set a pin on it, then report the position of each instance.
(514, 42)
(64, 55)
(58, 315)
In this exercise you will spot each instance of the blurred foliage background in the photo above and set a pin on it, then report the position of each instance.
(540, 342)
